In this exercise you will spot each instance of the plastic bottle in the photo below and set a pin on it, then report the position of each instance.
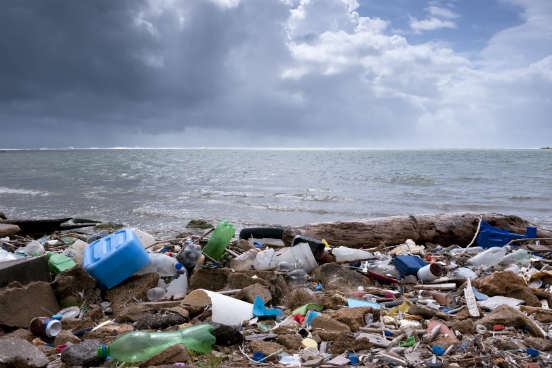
(345, 254)
(300, 255)
(518, 257)
(33, 248)
(244, 261)
(178, 287)
(59, 262)
(490, 257)
(155, 294)
(224, 232)
(464, 273)
(138, 346)
(163, 264)
(189, 256)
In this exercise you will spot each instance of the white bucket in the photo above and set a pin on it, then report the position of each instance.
(430, 272)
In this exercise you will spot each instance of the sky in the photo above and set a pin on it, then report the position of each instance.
(276, 73)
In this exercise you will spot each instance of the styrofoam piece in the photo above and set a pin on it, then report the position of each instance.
(226, 310)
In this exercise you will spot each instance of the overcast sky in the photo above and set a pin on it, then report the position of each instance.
(341, 73)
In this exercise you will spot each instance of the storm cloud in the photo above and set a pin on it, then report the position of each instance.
(264, 73)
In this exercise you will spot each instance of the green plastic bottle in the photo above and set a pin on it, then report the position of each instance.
(59, 262)
(138, 346)
(224, 232)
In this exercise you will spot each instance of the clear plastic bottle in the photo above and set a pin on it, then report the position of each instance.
(189, 256)
(490, 257)
(345, 254)
(138, 346)
(163, 264)
(519, 257)
(33, 248)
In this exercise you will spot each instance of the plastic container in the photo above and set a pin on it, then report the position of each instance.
(59, 263)
(189, 256)
(76, 250)
(138, 346)
(490, 257)
(408, 265)
(345, 254)
(162, 264)
(33, 248)
(317, 246)
(178, 287)
(244, 261)
(224, 232)
(430, 272)
(301, 255)
(265, 260)
(112, 259)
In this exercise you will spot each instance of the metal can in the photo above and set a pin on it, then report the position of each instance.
(45, 326)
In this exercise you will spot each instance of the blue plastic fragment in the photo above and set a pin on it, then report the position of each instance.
(479, 296)
(408, 265)
(258, 356)
(534, 353)
(318, 287)
(438, 350)
(257, 244)
(353, 358)
(310, 316)
(388, 333)
(354, 303)
(260, 310)
(490, 236)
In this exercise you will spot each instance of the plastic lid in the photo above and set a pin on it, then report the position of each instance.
(53, 328)
(178, 265)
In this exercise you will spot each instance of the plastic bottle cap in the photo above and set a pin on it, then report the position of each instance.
(53, 328)
(258, 356)
(178, 265)
(102, 351)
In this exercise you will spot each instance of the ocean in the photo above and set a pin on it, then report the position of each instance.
(162, 189)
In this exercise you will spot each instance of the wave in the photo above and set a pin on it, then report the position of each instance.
(5, 190)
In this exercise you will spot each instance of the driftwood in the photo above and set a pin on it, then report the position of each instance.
(443, 229)
(45, 226)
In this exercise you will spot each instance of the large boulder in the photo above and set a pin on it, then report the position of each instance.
(20, 304)
(20, 353)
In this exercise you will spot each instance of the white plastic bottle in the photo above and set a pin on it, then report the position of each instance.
(345, 254)
(178, 287)
(519, 257)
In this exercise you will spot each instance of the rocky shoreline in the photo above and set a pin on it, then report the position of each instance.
(357, 297)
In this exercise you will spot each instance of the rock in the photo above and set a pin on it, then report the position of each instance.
(503, 343)
(210, 279)
(131, 290)
(226, 335)
(275, 283)
(20, 333)
(159, 321)
(508, 284)
(175, 354)
(76, 325)
(265, 347)
(329, 324)
(292, 342)
(509, 316)
(20, 353)
(3, 216)
(64, 337)
(199, 224)
(347, 342)
(538, 343)
(465, 326)
(108, 226)
(427, 312)
(336, 276)
(324, 335)
(250, 292)
(352, 317)
(24, 271)
(8, 229)
(82, 354)
(444, 229)
(75, 282)
(18, 305)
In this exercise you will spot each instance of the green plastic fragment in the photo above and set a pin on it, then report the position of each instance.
(302, 310)
(408, 342)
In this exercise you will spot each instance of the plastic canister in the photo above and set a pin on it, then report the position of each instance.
(45, 326)
(430, 272)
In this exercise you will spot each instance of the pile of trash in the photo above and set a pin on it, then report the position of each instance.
(82, 293)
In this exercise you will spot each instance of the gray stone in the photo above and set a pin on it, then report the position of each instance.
(20, 353)
(24, 270)
(8, 229)
(19, 305)
(83, 354)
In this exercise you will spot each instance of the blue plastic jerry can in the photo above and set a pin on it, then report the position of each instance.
(112, 259)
